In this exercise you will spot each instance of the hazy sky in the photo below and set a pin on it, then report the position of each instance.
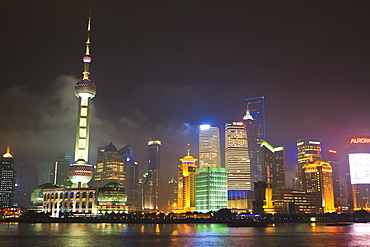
(164, 67)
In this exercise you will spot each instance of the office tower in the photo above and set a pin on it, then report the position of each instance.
(109, 166)
(308, 151)
(317, 179)
(359, 165)
(254, 120)
(81, 172)
(171, 195)
(209, 146)
(28, 180)
(151, 183)
(134, 200)
(186, 184)
(7, 180)
(46, 173)
(132, 184)
(273, 165)
(61, 171)
(237, 160)
(331, 157)
(210, 189)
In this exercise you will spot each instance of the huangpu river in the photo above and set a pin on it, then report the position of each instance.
(116, 234)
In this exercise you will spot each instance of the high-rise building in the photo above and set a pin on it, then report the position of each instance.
(237, 160)
(331, 157)
(134, 197)
(317, 179)
(47, 173)
(132, 184)
(7, 180)
(186, 184)
(151, 183)
(209, 146)
(81, 172)
(254, 120)
(171, 195)
(28, 180)
(61, 171)
(273, 165)
(211, 189)
(109, 166)
(359, 165)
(308, 151)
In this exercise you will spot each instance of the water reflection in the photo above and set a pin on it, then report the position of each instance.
(115, 234)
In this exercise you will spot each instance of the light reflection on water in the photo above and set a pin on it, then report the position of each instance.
(116, 234)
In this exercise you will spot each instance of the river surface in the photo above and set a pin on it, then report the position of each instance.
(200, 235)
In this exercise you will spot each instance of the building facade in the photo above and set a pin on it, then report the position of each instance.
(74, 202)
(7, 180)
(171, 195)
(209, 146)
(254, 120)
(110, 166)
(151, 183)
(318, 179)
(210, 189)
(358, 150)
(186, 199)
(273, 165)
(331, 157)
(237, 160)
(308, 151)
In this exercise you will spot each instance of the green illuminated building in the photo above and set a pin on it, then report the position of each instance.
(210, 189)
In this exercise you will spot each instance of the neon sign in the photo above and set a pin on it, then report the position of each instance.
(359, 140)
(332, 151)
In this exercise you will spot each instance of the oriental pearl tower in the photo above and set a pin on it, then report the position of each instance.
(81, 172)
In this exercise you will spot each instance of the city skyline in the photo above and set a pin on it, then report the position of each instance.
(150, 58)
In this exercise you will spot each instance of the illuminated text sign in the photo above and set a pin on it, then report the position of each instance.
(359, 140)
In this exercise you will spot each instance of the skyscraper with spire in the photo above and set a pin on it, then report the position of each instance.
(7, 180)
(254, 120)
(80, 172)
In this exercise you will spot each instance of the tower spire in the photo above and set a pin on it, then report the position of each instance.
(87, 58)
(248, 115)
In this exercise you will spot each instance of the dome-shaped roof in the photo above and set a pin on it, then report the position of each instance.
(111, 194)
(85, 86)
(37, 195)
(111, 148)
(113, 185)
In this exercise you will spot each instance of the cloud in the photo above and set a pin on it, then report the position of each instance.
(40, 126)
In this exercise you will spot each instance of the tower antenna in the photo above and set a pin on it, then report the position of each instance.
(87, 58)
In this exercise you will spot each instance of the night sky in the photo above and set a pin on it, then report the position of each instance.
(164, 67)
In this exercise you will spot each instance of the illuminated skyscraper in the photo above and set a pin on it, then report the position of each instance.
(308, 151)
(331, 157)
(171, 195)
(109, 167)
(151, 183)
(7, 180)
(186, 184)
(211, 189)
(359, 165)
(317, 179)
(254, 120)
(237, 160)
(61, 171)
(134, 200)
(273, 165)
(81, 172)
(209, 146)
